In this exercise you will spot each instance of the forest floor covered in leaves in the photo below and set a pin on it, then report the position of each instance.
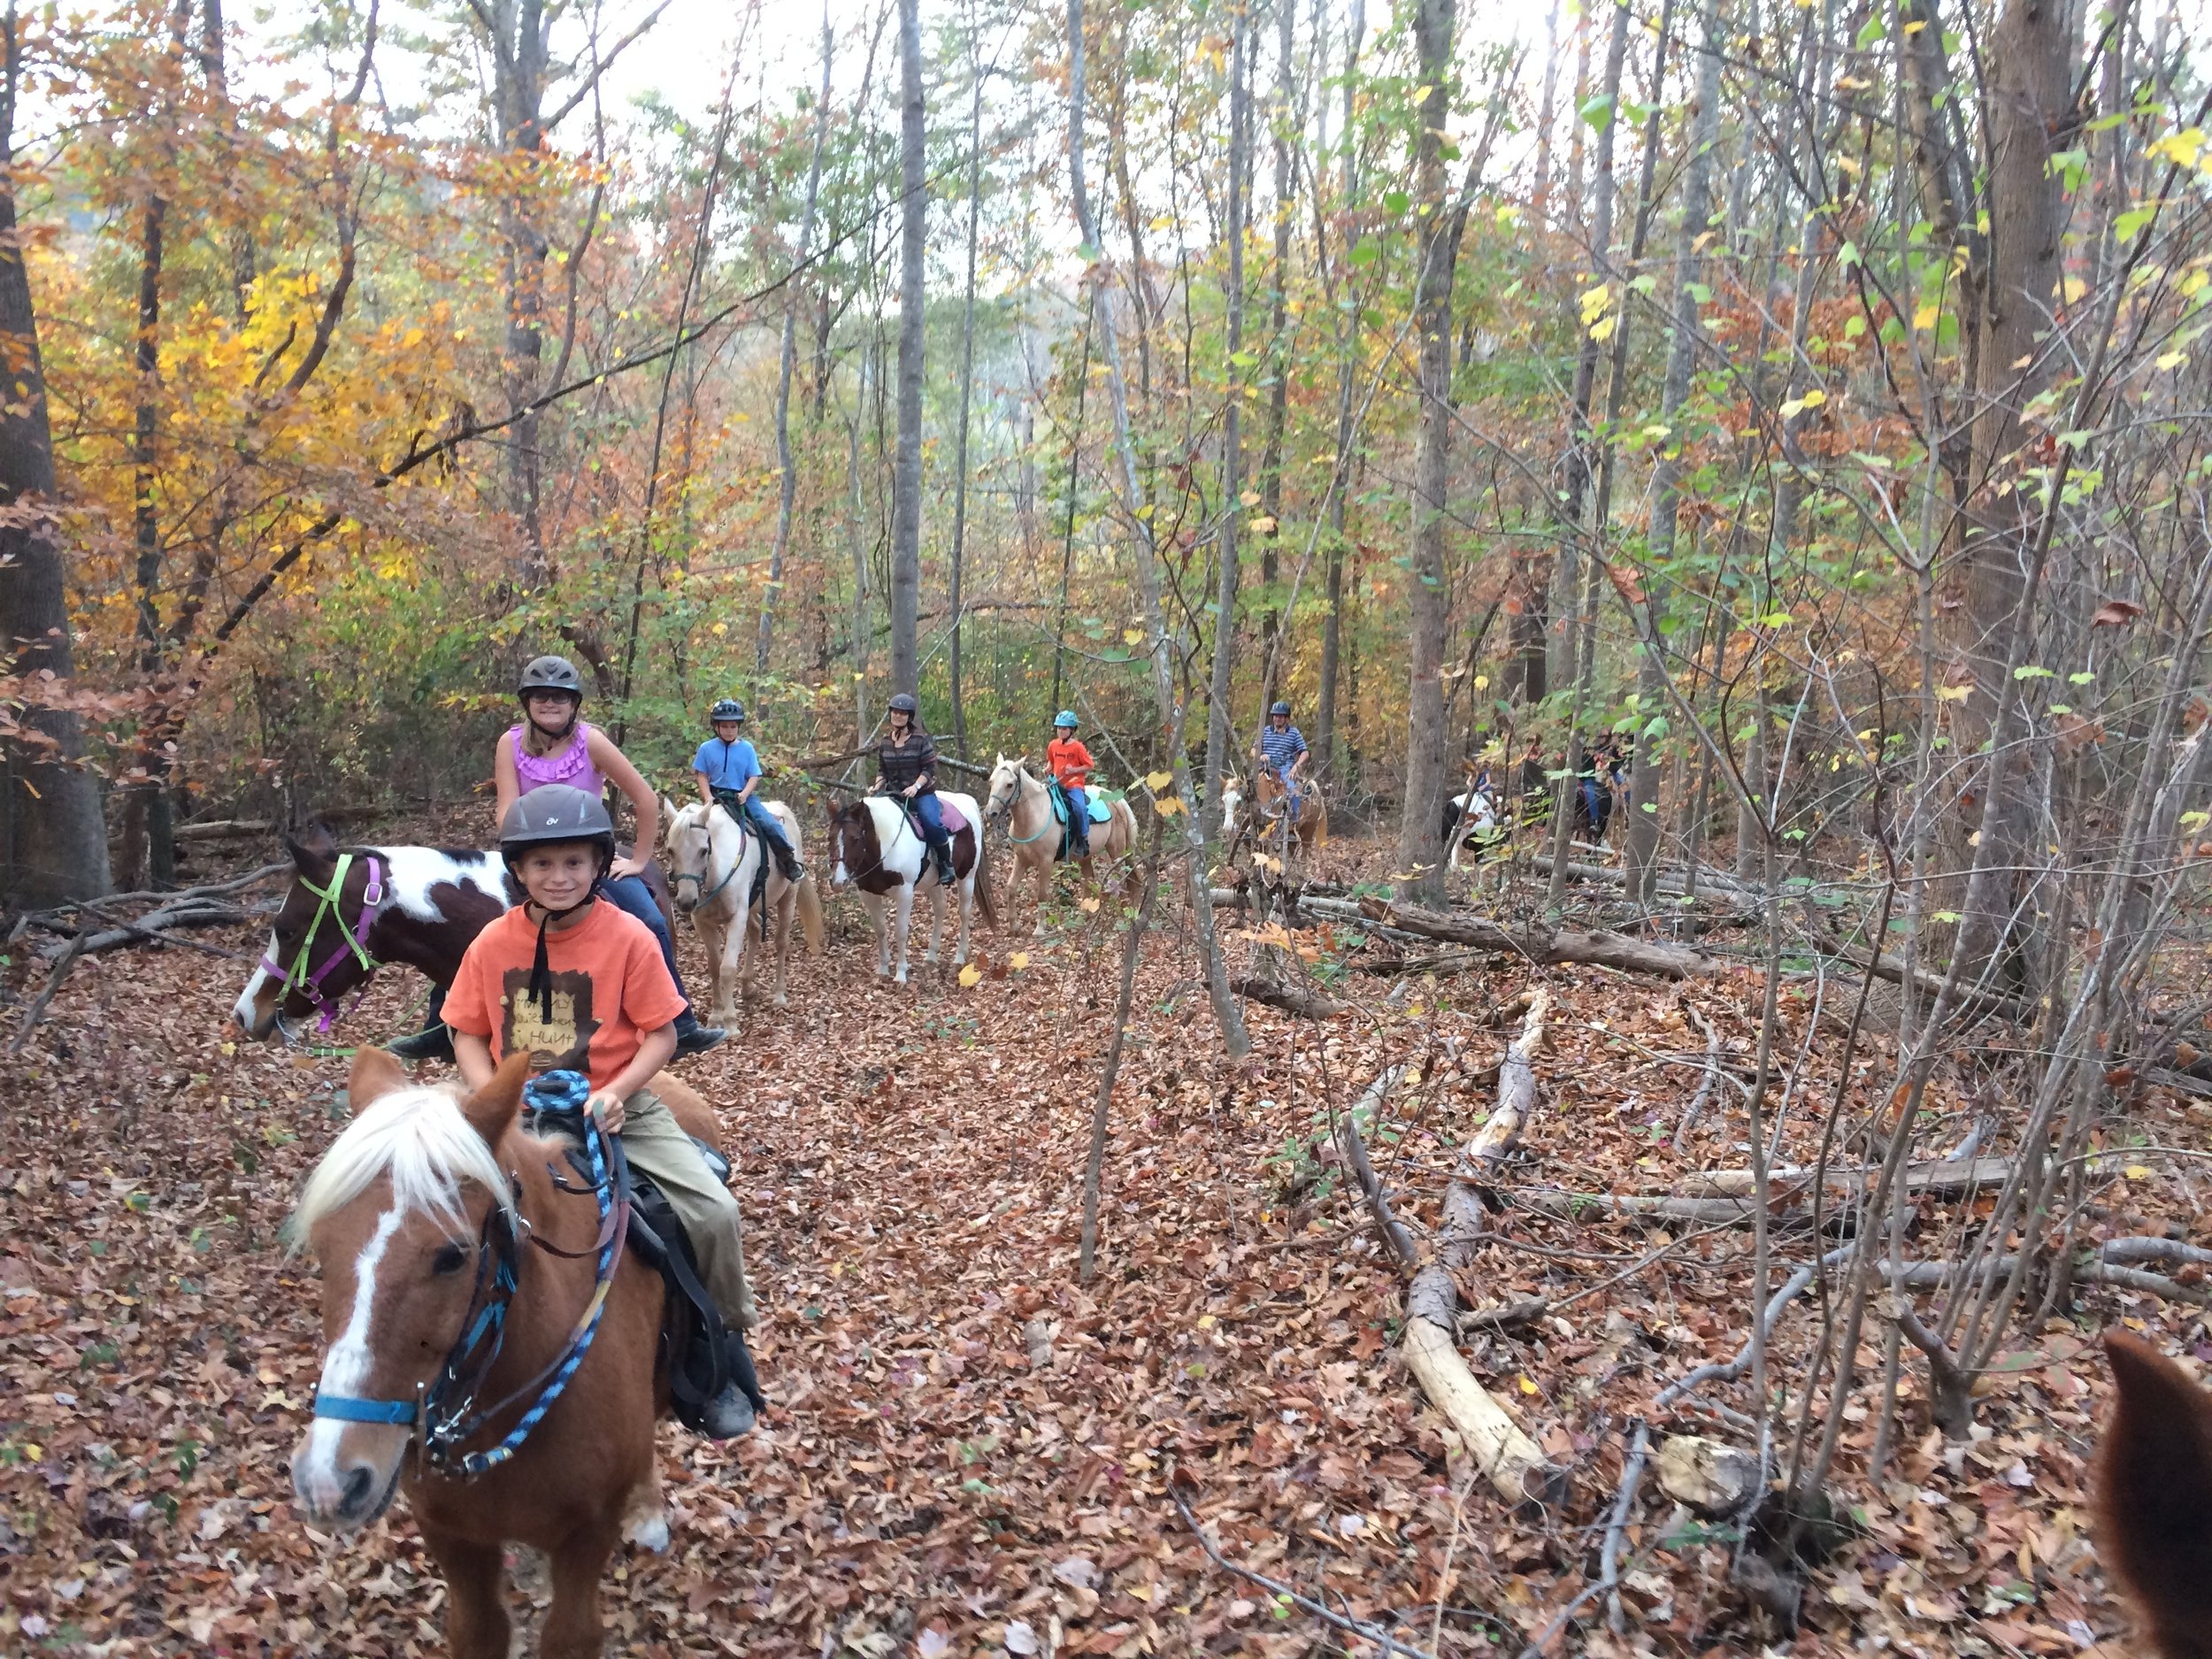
(933, 1476)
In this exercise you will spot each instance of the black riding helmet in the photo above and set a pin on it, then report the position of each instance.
(728, 709)
(904, 704)
(555, 815)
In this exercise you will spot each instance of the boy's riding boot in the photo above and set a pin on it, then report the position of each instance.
(434, 1042)
(793, 866)
(732, 1412)
(693, 1038)
(943, 853)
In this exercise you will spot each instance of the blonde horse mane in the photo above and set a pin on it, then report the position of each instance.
(419, 1138)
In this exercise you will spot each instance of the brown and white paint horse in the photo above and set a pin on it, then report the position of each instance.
(1035, 834)
(397, 1213)
(874, 847)
(2153, 1492)
(711, 862)
(418, 906)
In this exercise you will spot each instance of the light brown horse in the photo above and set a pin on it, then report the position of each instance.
(409, 1213)
(2153, 1490)
(1311, 831)
(1021, 797)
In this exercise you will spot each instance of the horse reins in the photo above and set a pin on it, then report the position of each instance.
(443, 1414)
(353, 942)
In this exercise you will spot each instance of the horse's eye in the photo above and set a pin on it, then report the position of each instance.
(448, 1259)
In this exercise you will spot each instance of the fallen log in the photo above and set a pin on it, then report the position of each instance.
(238, 829)
(1599, 948)
(1704, 1212)
(1292, 999)
(1952, 1179)
(1513, 1463)
(1500, 1131)
(152, 928)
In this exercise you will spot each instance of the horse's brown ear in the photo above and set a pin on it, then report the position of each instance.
(491, 1109)
(375, 1073)
(312, 852)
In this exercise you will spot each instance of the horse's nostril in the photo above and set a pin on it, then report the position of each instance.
(358, 1485)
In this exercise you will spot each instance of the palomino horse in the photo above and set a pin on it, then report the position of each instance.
(712, 860)
(1311, 831)
(2153, 1489)
(484, 1313)
(351, 910)
(874, 847)
(1035, 833)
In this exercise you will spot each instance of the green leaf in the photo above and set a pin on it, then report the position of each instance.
(1853, 327)
(2130, 225)
(1946, 917)
(2081, 679)
(1597, 114)
(1366, 251)
(1699, 292)
(1870, 31)
(1849, 255)
(2029, 670)
(1396, 201)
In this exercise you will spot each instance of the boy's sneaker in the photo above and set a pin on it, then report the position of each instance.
(432, 1042)
(693, 1038)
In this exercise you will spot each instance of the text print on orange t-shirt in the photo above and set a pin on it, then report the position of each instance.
(609, 988)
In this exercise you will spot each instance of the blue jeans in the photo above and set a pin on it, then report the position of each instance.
(631, 896)
(1078, 815)
(759, 817)
(933, 820)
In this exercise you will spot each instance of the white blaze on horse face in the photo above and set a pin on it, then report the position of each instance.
(247, 1010)
(319, 1475)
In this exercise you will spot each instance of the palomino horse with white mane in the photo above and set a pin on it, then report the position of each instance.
(1035, 829)
(482, 1314)
(1266, 825)
(712, 863)
(875, 847)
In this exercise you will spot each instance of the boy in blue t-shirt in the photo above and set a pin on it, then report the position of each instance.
(728, 772)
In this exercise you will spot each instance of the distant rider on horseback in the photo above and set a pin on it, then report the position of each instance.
(1283, 752)
(1071, 763)
(728, 768)
(906, 767)
(580, 985)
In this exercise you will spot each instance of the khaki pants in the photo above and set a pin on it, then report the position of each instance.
(657, 1146)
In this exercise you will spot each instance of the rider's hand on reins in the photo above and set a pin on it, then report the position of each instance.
(607, 1107)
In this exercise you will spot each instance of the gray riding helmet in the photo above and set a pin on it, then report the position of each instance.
(551, 674)
(551, 815)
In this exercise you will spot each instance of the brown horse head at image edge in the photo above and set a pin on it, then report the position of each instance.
(2153, 1485)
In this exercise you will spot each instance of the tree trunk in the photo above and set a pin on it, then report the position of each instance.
(1225, 659)
(858, 542)
(53, 842)
(787, 473)
(1429, 595)
(1547, 117)
(1639, 844)
(967, 387)
(2030, 105)
(1348, 356)
(906, 478)
(1278, 341)
(1160, 643)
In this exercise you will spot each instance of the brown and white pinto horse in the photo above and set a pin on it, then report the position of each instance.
(2153, 1491)
(403, 1212)
(874, 847)
(419, 906)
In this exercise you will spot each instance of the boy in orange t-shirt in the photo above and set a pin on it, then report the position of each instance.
(569, 980)
(1070, 763)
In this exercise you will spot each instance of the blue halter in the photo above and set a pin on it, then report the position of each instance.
(444, 1414)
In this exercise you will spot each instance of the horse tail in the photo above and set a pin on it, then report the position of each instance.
(810, 916)
(1321, 830)
(985, 901)
(1125, 815)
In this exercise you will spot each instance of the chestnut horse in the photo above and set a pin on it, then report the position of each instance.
(1036, 834)
(453, 1263)
(2153, 1489)
(1311, 829)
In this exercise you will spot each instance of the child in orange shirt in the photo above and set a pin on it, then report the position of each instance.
(564, 977)
(1070, 763)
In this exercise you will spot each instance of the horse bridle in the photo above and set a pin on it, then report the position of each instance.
(443, 1413)
(352, 942)
(743, 834)
(1021, 776)
(883, 852)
